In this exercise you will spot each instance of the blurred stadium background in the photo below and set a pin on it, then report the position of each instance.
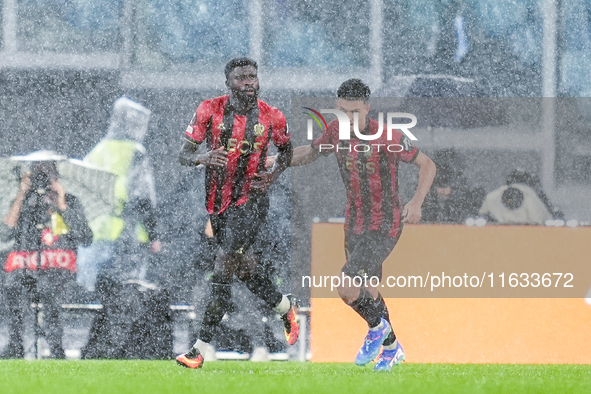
(63, 64)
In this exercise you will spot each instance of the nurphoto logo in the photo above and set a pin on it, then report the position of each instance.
(345, 129)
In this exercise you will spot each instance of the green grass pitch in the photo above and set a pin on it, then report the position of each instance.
(52, 376)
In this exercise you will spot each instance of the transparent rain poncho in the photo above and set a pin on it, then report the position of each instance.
(122, 153)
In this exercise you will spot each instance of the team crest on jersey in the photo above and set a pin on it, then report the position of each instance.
(406, 144)
(259, 129)
(221, 127)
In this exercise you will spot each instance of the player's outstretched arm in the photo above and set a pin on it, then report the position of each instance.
(412, 210)
(303, 155)
(190, 156)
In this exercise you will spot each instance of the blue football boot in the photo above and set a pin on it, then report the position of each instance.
(390, 358)
(373, 343)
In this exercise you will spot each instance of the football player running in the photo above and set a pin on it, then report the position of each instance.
(237, 129)
(374, 213)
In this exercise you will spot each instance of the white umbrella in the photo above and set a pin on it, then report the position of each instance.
(93, 186)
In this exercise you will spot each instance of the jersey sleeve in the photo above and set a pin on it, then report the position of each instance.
(197, 129)
(406, 151)
(325, 140)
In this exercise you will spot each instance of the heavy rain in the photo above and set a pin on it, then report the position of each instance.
(99, 95)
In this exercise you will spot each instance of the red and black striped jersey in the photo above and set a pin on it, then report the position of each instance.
(370, 173)
(245, 137)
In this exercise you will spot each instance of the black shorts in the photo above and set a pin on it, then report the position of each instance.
(236, 229)
(366, 252)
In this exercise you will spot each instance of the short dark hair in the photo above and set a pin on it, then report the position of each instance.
(523, 177)
(239, 62)
(354, 89)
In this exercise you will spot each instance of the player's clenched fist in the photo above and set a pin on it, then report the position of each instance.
(411, 213)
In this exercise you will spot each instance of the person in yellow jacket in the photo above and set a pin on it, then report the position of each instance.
(121, 240)
(122, 153)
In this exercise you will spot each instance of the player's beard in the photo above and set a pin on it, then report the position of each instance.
(246, 99)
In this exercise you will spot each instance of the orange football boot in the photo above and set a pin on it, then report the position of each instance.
(290, 323)
(192, 359)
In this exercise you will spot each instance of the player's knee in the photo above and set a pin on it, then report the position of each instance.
(222, 256)
(348, 294)
(228, 257)
(248, 278)
(234, 251)
(243, 275)
(347, 298)
(225, 267)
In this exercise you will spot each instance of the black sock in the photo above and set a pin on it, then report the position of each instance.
(367, 308)
(217, 306)
(261, 286)
(386, 315)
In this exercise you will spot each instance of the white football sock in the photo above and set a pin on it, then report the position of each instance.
(392, 346)
(283, 306)
(378, 327)
(202, 346)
